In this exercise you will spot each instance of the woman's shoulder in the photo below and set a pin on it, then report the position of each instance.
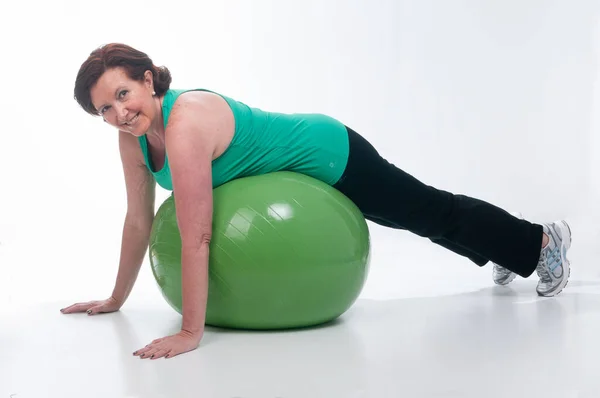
(191, 98)
(189, 103)
(198, 107)
(176, 96)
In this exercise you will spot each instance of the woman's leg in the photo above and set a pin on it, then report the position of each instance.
(470, 227)
(477, 259)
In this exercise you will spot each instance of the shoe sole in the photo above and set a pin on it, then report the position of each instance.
(565, 230)
(508, 280)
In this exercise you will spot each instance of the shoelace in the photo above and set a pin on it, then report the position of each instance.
(542, 267)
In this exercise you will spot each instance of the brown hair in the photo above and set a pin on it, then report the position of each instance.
(113, 55)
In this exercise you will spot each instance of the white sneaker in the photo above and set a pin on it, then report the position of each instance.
(553, 267)
(501, 275)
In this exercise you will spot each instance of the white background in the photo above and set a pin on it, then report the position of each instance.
(495, 99)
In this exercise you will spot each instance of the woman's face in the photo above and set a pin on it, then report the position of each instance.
(126, 104)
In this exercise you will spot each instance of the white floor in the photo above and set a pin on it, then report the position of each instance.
(427, 325)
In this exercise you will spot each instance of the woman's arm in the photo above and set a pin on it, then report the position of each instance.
(190, 150)
(140, 188)
(191, 139)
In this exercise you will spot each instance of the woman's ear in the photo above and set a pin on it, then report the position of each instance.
(149, 80)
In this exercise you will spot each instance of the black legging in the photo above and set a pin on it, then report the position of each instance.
(470, 227)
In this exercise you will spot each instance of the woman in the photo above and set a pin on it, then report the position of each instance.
(191, 141)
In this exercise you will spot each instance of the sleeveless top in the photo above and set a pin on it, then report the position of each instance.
(263, 142)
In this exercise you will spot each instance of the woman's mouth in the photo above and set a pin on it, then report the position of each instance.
(133, 119)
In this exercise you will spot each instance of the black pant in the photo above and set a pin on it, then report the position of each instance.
(469, 227)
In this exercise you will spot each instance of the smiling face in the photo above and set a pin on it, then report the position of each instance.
(128, 105)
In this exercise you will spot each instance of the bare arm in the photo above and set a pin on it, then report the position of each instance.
(140, 189)
(191, 147)
(196, 126)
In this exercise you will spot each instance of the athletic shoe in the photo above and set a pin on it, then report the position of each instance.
(553, 266)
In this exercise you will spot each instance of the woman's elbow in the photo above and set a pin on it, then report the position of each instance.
(197, 241)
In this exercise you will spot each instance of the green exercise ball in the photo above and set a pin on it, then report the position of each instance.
(287, 251)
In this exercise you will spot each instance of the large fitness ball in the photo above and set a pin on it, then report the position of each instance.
(287, 251)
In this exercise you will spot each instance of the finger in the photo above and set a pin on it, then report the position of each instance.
(152, 352)
(147, 354)
(151, 348)
(142, 351)
(174, 352)
(79, 307)
(96, 309)
(71, 308)
(163, 352)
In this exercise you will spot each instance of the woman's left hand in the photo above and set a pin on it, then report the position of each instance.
(170, 346)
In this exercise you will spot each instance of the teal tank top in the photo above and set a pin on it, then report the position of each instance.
(263, 142)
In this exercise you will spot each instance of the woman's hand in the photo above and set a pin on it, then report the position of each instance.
(94, 307)
(170, 346)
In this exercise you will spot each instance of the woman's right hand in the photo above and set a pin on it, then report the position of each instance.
(94, 307)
